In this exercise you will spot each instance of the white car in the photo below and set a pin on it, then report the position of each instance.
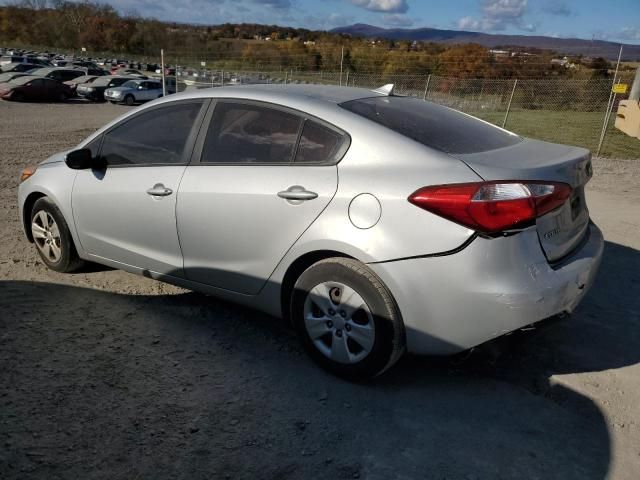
(134, 91)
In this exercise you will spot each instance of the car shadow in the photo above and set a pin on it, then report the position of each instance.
(102, 385)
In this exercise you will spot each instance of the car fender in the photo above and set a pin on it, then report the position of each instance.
(55, 180)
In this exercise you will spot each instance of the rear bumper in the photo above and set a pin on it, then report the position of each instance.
(492, 287)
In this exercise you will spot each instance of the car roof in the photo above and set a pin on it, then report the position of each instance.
(276, 92)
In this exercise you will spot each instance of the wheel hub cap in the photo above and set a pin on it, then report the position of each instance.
(339, 322)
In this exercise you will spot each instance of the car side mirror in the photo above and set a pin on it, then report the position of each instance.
(79, 159)
(140, 87)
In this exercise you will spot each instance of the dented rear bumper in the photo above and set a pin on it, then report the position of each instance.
(490, 288)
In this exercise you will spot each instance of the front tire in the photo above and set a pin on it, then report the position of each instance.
(347, 319)
(52, 237)
(129, 100)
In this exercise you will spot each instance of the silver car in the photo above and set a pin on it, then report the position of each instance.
(134, 91)
(375, 223)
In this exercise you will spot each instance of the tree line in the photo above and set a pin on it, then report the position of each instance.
(66, 25)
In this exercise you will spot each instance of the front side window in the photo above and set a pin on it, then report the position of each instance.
(244, 133)
(158, 136)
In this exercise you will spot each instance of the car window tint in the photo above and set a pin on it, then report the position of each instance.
(433, 125)
(155, 137)
(241, 133)
(94, 146)
(317, 143)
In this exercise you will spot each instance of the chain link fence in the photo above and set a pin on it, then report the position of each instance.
(570, 111)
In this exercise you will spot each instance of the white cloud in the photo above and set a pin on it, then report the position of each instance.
(630, 33)
(557, 7)
(388, 6)
(498, 15)
(397, 20)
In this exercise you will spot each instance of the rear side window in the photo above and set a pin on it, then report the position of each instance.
(243, 133)
(155, 137)
(318, 144)
(432, 125)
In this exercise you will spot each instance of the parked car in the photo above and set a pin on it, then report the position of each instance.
(131, 72)
(95, 90)
(19, 67)
(134, 91)
(442, 232)
(5, 77)
(83, 80)
(34, 88)
(60, 74)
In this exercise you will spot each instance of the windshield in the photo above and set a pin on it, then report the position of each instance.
(433, 125)
(130, 84)
(39, 71)
(22, 80)
(102, 81)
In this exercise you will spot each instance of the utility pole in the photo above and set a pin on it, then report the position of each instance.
(341, 60)
(164, 86)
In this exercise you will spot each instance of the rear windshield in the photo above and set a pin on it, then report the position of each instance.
(432, 125)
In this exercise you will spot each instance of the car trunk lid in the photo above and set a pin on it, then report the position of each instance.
(562, 229)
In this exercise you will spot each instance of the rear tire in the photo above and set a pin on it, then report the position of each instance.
(52, 237)
(129, 100)
(347, 319)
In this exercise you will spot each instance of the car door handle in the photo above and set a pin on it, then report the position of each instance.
(296, 192)
(159, 190)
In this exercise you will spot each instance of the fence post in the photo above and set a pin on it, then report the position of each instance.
(426, 87)
(610, 103)
(506, 114)
(285, 76)
(347, 82)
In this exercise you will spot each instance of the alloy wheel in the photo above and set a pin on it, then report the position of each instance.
(46, 236)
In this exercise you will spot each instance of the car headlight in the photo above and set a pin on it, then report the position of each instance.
(116, 94)
(27, 172)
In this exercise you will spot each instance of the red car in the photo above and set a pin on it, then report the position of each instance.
(34, 88)
(115, 68)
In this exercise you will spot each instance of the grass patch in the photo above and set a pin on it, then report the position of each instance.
(573, 128)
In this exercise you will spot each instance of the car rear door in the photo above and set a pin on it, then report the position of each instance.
(126, 211)
(249, 196)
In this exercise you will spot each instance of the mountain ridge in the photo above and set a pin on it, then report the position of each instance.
(568, 46)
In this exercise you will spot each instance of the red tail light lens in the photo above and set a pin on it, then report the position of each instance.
(492, 207)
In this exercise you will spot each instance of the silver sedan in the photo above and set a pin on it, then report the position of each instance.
(375, 223)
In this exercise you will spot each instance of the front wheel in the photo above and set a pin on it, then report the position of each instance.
(52, 237)
(18, 97)
(347, 319)
(129, 100)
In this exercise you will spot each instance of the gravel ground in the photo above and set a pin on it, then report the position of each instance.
(107, 375)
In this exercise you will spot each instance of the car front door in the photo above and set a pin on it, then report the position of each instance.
(36, 89)
(250, 196)
(125, 212)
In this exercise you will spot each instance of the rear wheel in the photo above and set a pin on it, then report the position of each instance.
(347, 319)
(52, 237)
(129, 100)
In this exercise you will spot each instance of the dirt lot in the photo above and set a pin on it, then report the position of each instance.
(111, 376)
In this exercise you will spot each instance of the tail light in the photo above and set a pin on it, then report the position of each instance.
(492, 207)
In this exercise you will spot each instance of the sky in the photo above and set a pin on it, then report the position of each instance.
(613, 20)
